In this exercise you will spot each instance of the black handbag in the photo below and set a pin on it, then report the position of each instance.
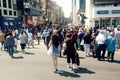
(77, 61)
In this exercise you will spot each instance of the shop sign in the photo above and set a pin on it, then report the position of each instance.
(35, 12)
(115, 11)
(103, 12)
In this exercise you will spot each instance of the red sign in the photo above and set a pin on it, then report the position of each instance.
(39, 22)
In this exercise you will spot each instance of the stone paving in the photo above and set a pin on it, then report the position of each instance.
(37, 65)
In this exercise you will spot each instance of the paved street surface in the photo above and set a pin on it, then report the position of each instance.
(37, 65)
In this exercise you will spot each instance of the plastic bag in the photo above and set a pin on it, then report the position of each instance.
(50, 50)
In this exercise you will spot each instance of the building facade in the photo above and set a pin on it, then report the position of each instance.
(106, 13)
(9, 15)
(52, 12)
(101, 13)
(33, 12)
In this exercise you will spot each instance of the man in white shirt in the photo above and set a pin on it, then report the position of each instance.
(100, 39)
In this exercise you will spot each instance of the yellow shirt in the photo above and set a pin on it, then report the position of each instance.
(2, 37)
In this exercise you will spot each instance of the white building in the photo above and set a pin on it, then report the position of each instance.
(102, 12)
(75, 17)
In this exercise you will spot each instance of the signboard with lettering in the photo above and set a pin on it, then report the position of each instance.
(115, 11)
(102, 12)
(35, 12)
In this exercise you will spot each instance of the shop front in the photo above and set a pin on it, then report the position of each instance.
(10, 23)
(33, 16)
(107, 17)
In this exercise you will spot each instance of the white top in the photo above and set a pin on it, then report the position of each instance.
(100, 38)
(16, 31)
(117, 35)
(22, 38)
(105, 33)
(16, 41)
(30, 36)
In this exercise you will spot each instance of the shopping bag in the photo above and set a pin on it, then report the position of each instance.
(50, 50)
(82, 42)
(78, 44)
(77, 61)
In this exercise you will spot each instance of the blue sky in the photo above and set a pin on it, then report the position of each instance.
(66, 5)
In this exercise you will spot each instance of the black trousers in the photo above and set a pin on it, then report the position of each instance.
(71, 57)
(101, 48)
(111, 55)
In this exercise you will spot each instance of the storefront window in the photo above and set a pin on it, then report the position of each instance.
(11, 23)
(6, 23)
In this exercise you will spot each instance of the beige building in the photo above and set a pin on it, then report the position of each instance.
(52, 11)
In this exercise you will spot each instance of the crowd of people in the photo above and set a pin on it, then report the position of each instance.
(65, 41)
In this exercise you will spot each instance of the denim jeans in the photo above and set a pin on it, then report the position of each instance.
(11, 50)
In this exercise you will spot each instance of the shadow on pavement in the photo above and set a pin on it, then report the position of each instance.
(81, 57)
(32, 48)
(66, 57)
(83, 70)
(68, 74)
(29, 53)
(18, 51)
(116, 61)
(18, 57)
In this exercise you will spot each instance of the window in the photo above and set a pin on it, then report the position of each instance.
(0, 3)
(14, 1)
(15, 13)
(9, 4)
(5, 12)
(0, 12)
(26, 0)
(10, 12)
(4, 3)
(115, 5)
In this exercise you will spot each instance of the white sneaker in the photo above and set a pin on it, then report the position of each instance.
(68, 66)
(74, 67)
